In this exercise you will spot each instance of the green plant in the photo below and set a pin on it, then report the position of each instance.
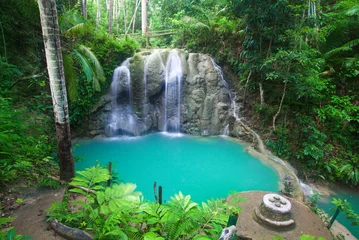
(91, 179)
(49, 182)
(313, 201)
(346, 208)
(118, 212)
(11, 235)
(288, 186)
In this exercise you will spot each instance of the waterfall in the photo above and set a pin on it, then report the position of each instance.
(233, 102)
(148, 94)
(145, 69)
(122, 118)
(172, 98)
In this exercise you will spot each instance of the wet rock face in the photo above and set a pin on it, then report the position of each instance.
(168, 91)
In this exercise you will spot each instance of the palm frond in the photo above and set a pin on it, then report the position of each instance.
(69, 19)
(76, 30)
(84, 64)
(91, 56)
(336, 51)
(344, 48)
(195, 23)
(70, 76)
(353, 11)
(352, 43)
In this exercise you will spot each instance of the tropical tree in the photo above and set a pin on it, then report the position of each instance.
(51, 36)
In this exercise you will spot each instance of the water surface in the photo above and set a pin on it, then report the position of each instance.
(205, 168)
(352, 196)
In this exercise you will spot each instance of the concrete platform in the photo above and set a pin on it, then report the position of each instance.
(306, 222)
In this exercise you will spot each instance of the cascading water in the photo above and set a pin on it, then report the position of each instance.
(122, 120)
(145, 69)
(172, 98)
(231, 97)
(148, 94)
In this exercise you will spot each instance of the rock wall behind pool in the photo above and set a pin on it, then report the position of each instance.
(165, 90)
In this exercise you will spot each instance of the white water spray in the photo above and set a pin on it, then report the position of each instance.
(172, 101)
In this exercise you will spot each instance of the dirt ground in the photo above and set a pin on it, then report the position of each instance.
(30, 217)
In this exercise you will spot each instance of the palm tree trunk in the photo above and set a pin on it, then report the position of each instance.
(110, 17)
(50, 32)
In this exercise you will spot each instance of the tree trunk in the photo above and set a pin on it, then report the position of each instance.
(124, 13)
(280, 105)
(51, 36)
(144, 20)
(84, 8)
(245, 87)
(261, 92)
(133, 19)
(110, 17)
(98, 15)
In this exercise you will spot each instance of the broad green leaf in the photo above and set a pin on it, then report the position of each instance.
(100, 197)
(76, 190)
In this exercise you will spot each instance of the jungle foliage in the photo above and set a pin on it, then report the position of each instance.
(118, 212)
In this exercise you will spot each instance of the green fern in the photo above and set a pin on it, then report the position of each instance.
(91, 179)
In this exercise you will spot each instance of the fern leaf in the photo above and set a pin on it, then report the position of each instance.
(76, 190)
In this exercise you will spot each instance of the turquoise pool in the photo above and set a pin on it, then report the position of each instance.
(204, 168)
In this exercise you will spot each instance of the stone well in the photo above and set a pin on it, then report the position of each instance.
(250, 227)
(274, 211)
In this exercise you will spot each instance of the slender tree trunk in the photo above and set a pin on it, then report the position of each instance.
(98, 15)
(261, 92)
(124, 14)
(269, 47)
(144, 20)
(4, 41)
(133, 17)
(51, 35)
(84, 8)
(280, 104)
(245, 87)
(110, 17)
(133, 20)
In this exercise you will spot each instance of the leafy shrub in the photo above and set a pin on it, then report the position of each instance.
(117, 212)
(24, 145)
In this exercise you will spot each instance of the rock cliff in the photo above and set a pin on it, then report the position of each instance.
(165, 90)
